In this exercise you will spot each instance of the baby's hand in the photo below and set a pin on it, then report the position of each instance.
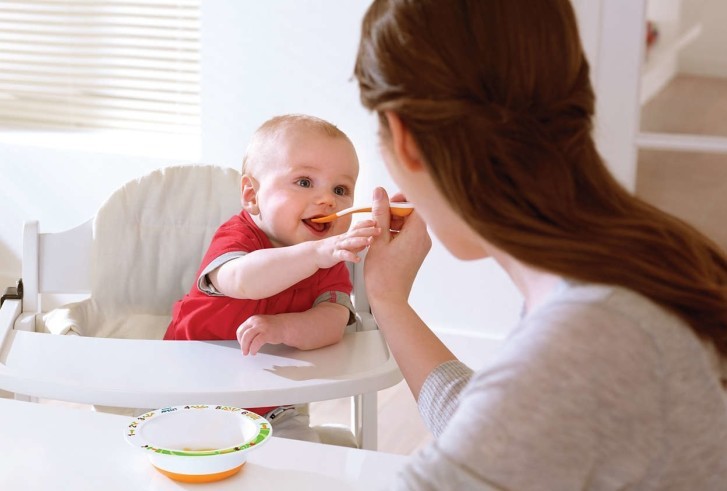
(259, 330)
(346, 246)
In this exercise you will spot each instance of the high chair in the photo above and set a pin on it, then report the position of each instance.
(130, 263)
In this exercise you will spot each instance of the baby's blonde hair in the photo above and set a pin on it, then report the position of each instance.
(277, 127)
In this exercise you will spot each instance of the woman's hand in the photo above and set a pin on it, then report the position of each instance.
(395, 255)
(389, 271)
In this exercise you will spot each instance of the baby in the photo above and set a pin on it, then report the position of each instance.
(270, 274)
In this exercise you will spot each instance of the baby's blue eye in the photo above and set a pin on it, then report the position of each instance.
(340, 190)
(304, 183)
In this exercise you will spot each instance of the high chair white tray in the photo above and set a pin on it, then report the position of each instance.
(135, 373)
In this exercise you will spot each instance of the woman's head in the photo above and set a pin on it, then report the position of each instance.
(496, 95)
(497, 98)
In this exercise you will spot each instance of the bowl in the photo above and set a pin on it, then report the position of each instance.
(198, 443)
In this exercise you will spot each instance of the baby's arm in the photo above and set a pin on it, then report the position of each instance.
(320, 326)
(266, 272)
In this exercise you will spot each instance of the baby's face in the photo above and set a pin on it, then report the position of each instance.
(306, 175)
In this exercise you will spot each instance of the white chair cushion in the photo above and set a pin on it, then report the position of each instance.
(149, 239)
(86, 318)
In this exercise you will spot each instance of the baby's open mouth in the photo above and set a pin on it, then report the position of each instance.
(319, 228)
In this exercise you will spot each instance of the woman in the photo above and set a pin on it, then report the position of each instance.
(614, 377)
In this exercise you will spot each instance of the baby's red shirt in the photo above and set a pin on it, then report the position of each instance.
(206, 315)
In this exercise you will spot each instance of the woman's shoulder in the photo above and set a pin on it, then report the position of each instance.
(592, 328)
(593, 310)
(614, 328)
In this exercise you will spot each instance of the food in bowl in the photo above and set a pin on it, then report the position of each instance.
(198, 443)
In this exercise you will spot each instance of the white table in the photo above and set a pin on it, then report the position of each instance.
(60, 448)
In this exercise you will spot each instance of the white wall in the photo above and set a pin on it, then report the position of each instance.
(616, 78)
(706, 55)
(59, 187)
(258, 59)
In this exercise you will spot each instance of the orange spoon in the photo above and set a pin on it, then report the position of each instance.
(398, 209)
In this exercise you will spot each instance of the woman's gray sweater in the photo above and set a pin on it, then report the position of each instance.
(597, 389)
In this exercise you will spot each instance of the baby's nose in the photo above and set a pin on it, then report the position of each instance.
(326, 197)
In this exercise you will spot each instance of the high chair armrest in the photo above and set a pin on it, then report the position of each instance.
(10, 308)
(13, 293)
(9, 312)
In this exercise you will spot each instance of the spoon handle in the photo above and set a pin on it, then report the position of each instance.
(333, 216)
(398, 209)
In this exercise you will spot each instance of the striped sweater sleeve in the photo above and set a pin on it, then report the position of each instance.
(439, 396)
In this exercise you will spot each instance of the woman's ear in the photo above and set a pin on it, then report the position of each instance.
(403, 145)
(248, 195)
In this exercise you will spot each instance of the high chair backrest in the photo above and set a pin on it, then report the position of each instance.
(153, 232)
(138, 255)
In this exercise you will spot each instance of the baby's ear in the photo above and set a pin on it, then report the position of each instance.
(248, 195)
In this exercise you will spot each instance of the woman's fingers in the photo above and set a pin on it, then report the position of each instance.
(396, 223)
(381, 212)
(398, 198)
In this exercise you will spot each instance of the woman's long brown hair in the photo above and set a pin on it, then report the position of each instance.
(497, 95)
